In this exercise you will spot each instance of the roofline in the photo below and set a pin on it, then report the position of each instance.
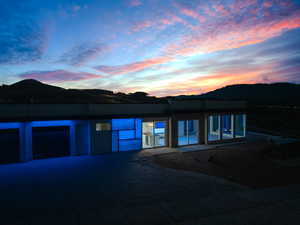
(30, 112)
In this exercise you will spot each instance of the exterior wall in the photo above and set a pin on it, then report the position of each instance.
(85, 140)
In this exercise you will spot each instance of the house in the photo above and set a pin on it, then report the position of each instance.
(33, 131)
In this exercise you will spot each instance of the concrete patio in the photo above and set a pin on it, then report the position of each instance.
(126, 188)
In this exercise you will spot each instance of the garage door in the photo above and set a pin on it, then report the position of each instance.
(50, 142)
(10, 146)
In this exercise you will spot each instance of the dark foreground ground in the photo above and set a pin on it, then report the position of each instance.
(128, 188)
(255, 164)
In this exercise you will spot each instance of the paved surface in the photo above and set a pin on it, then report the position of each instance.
(125, 188)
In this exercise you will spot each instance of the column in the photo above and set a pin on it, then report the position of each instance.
(25, 141)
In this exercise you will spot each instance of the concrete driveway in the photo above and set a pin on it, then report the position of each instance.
(126, 188)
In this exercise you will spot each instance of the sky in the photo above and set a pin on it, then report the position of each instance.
(162, 47)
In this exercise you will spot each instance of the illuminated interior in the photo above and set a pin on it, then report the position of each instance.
(213, 126)
(154, 134)
(240, 125)
(126, 134)
(227, 126)
(188, 132)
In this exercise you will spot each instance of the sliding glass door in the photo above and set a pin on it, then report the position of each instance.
(188, 132)
(154, 134)
(227, 126)
(240, 125)
(213, 127)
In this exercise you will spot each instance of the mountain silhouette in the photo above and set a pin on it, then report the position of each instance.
(35, 92)
(255, 94)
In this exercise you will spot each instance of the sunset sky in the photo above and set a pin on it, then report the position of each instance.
(163, 47)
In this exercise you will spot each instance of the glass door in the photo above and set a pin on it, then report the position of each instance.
(154, 134)
(148, 135)
(159, 133)
(188, 132)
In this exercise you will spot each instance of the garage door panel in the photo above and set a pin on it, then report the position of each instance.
(10, 146)
(50, 142)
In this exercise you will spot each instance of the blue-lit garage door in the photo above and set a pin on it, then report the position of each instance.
(9, 146)
(50, 142)
(126, 134)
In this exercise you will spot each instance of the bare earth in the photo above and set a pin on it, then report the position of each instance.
(246, 164)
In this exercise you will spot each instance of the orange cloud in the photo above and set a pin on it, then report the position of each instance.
(215, 80)
(207, 83)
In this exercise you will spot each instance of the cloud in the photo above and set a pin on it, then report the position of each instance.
(191, 13)
(234, 32)
(205, 83)
(76, 8)
(161, 23)
(22, 39)
(135, 3)
(249, 64)
(83, 53)
(58, 76)
(132, 67)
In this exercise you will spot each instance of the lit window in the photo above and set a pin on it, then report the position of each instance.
(188, 132)
(103, 127)
(240, 125)
(213, 128)
(227, 126)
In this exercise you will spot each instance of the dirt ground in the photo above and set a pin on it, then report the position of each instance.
(246, 164)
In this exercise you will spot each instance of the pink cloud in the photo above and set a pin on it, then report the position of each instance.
(241, 4)
(134, 3)
(231, 34)
(142, 25)
(133, 67)
(58, 76)
(161, 23)
(267, 4)
(208, 11)
(192, 13)
(221, 10)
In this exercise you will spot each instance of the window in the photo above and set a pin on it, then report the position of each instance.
(103, 127)
(188, 132)
(227, 126)
(154, 134)
(213, 128)
(126, 134)
(240, 125)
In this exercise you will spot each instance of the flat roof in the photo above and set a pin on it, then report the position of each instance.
(11, 112)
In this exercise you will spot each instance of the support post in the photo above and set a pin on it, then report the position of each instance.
(25, 141)
(72, 137)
